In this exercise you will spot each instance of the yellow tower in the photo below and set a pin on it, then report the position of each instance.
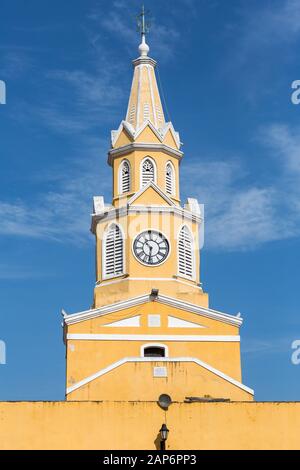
(150, 330)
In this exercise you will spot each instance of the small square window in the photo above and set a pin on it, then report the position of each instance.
(154, 320)
(160, 372)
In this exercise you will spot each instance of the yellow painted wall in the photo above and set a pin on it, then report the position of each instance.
(135, 425)
(87, 357)
(133, 381)
(126, 288)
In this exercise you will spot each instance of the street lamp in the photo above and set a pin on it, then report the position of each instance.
(164, 431)
(154, 294)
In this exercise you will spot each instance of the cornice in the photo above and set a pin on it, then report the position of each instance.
(116, 213)
(163, 299)
(135, 146)
(144, 61)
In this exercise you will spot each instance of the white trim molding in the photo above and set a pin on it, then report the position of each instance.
(144, 147)
(132, 322)
(116, 213)
(159, 359)
(163, 299)
(174, 322)
(133, 337)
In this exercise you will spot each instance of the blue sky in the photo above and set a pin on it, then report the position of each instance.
(226, 69)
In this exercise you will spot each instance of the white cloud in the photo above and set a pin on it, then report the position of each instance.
(263, 44)
(284, 141)
(281, 22)
(262, 346)
(63, 214)
(240, 215)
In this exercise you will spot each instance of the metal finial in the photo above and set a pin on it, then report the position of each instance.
(142, 23)
(143, 28)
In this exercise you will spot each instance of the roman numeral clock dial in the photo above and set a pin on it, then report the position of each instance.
(151, 248)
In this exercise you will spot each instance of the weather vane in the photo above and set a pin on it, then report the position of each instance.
(142, 23)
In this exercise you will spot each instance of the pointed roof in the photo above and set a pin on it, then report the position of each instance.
(145, 109)
(144, 101)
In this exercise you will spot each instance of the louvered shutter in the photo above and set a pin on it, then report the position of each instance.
(169, 179)
(114, 251)
(147, 172)
(185, 253)
(125, 178)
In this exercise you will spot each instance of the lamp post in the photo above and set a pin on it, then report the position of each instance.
(164, 431)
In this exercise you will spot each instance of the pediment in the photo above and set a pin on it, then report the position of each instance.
(147, 133)
(151, 194)
(123, 138)
(214, 322)
(169, 139)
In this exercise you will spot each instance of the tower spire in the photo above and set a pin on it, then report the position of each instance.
(143, 27)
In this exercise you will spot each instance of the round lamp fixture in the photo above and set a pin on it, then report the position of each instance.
(164, 401)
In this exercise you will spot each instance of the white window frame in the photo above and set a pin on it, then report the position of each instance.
(154, 345)
(190, 278)
(120, 181)
(141, 170)
(111, 276)
(173, 182)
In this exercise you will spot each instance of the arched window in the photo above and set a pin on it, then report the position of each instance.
(113, 252)
(170, 179)
(148, 171)
(124, 177)
(185, 253)
(154, 350)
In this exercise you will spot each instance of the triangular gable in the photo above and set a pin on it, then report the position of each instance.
(146, 133)
(169, 139)
(174, 322)
(163, 299)
(175, 135)
(123, 139)
(143, 196)
(123, 136)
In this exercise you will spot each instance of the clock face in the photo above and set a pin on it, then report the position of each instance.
(151, 247)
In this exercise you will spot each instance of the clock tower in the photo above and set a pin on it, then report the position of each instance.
(150, 330)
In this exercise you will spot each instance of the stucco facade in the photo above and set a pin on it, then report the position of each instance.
(135, 425)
